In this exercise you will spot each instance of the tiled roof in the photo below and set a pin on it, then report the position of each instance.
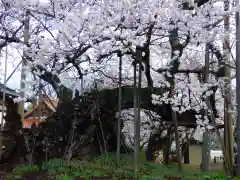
(51, 104)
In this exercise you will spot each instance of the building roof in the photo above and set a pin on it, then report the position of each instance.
(9, 91)
(51, 104)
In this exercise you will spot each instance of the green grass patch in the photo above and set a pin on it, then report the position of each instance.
(105, 166)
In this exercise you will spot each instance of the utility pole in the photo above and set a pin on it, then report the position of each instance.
(238, 87)
(119, 108)
(24, 64)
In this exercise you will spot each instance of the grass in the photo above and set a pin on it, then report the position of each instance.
(106, 166)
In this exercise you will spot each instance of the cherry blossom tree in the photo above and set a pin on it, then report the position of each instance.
(81, 39)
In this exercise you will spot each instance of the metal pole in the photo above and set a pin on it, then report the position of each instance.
(4, 90)
(119, 108)
(24, 63)
(238, 87)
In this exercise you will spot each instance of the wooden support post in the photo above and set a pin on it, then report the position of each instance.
(137, 102)
(119, 109)
(174, 119)
(167, 147)
(4, 89)
(149, 149)
(206, 135)
(228, 122)
(206, 152)
(185, 152)
(165, 153)
(237, 157)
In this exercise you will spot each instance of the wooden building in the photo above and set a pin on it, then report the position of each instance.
(9, 94)
(44, 108)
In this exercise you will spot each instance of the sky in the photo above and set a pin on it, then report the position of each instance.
(13, 60)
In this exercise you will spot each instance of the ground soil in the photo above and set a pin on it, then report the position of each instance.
(4, 169)
(47, 176)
